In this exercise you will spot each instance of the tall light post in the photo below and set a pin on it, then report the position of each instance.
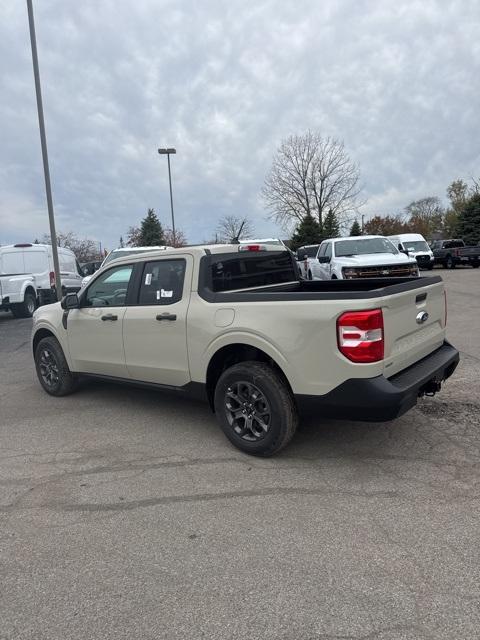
(168, 152)
(43, 142)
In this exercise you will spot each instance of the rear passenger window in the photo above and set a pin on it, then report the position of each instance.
(252, 271)
(162, 282)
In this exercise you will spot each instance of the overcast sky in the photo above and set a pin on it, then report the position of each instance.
(398, 81)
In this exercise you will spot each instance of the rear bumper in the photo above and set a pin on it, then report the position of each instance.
(380, 399)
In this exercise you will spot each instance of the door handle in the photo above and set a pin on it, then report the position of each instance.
(109, 316)
(166, 316)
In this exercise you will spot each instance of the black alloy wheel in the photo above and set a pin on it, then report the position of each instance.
(52, 368)
(48, 367)
(247, 410)
(255, 408)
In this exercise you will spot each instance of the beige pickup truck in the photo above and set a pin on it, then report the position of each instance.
(237, 326)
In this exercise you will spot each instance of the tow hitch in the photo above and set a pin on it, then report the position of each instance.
(431, 388)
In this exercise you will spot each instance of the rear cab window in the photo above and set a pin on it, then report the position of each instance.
(241, 271)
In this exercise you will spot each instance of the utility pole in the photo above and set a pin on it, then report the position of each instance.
(363, 223)
(168, 152)
(43, 142)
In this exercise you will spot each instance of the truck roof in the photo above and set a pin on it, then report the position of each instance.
(199, 250)
(353, 238)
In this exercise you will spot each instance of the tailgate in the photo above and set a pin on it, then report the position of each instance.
(414, 323)
(469, 251)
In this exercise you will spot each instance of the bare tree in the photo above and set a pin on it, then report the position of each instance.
(85, 249)
(426, 215)
(180, 239)
(133, 237)
(309, 176)
(232, 228)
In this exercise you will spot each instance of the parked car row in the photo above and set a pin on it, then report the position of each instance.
(355, 257)
(378, 256)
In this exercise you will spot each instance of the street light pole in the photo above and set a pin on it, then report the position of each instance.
(168, 152)
(43, 142)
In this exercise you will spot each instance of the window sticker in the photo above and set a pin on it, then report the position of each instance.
(148, 278)
(166, 294)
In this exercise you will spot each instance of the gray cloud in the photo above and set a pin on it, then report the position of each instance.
(224, 82)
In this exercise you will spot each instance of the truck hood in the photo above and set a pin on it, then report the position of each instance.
(374, 259)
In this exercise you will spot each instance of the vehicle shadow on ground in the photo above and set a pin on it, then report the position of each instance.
(316, 439)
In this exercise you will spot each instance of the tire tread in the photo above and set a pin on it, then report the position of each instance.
(284, 396)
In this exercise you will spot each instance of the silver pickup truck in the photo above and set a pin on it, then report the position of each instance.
(239, 328)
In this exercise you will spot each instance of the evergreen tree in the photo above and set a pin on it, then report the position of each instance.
(307, 232)
(355, 229)
(331, 227)
(469, 220)
(151, 231)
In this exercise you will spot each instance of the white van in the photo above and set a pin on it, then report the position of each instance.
(37, 260)
(416, 246)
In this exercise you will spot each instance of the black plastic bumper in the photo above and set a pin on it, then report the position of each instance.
(380, 399)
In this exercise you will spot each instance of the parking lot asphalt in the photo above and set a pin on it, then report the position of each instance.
(126, 514)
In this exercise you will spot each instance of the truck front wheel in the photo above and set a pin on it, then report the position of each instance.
(255, 408)
(52, 368)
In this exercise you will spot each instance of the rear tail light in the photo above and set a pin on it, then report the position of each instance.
(52, 279)
(360, 335)
(252, 247)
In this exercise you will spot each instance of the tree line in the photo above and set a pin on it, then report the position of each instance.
(313, 192)
(314, 187)
(459, 219)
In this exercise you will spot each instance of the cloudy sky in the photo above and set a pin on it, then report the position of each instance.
(397, 80)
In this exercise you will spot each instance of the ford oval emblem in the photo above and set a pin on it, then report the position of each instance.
(422, 317)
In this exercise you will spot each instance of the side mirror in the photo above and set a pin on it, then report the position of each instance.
(70, 301)
(324, 259)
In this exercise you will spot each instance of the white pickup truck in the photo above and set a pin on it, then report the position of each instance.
(240, 329)
(18, 294)
(360, 257)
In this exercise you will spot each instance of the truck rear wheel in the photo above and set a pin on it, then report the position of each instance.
(26, 308)
(255, 408)
(52, 368)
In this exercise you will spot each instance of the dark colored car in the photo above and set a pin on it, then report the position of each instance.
(453, 251)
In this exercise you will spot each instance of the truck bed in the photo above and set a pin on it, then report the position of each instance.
(322, 290)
